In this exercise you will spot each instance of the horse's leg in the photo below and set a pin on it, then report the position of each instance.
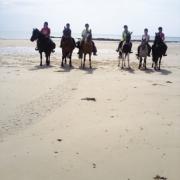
(84, 60)
(140, 62)
(49, 58)
(65, 59)
(70, 63)
(81, 62)
(122, 65)
(160, 63)
(124, 60)
(40, 58)
(128, 60)
(90, 61)
(46, 54)
(145, 63)
(62, 64)
(155, 65)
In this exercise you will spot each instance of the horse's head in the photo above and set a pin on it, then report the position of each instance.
(35, 34)
(88, 37)
(157, 39)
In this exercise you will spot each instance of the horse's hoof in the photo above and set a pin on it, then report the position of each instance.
(90, 67)
(40, 64)
(62, 65)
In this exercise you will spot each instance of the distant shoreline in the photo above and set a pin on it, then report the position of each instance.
(95, 39)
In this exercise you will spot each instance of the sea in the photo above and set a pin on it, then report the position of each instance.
(27, 35)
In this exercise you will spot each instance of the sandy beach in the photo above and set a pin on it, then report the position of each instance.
(49, 131)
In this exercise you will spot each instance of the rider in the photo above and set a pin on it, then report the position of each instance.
(66, 34)
(46, 31)
(162, 36)
(85, 34)
(146, 38)
(124, 36)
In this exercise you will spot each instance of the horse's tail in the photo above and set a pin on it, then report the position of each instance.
(53, 45)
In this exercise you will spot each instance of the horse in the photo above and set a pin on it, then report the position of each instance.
(157, 52)
(124, 51)
(44, 45)
(143, 53)
(86, 47)
(68, 44)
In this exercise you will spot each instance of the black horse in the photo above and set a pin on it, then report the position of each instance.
(44, 44)
(157, 52)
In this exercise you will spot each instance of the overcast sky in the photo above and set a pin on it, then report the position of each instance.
(104, 16)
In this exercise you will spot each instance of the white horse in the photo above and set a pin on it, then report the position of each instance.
(143, 53)
(124, 52)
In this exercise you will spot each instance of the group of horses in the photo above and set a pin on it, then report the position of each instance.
(68, 45)
(157, 53)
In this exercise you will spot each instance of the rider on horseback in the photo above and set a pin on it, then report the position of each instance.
(66, 34)
(85, 33)
(162, 37)
(125, 34)
(46, 31)
(146, 38)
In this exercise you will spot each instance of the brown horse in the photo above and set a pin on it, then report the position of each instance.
(87, 48)
(67, 45)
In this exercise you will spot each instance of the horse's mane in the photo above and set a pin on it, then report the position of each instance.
(157, 39)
